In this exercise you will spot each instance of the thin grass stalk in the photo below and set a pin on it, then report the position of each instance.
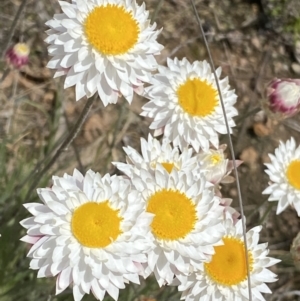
(230, 145)
(13, 27)
(64, 146)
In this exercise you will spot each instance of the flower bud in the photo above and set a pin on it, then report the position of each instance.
(18, 55)
(284, 96)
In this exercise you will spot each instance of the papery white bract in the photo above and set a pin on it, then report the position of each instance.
(103, 46)
(153, 152)
(186, 223)
(185, 105)
(89, 232)
(225, 276)
(284, 171)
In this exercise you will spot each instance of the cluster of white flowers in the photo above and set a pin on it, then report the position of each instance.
(166, 216)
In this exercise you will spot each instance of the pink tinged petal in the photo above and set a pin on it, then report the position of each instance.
(30, 239)
(78, 292)
(37, 245)
(64, 279)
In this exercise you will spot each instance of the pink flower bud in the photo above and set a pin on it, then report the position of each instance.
(18, 55)
(284, 96)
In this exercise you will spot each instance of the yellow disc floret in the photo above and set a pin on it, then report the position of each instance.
(21, 49)
(215, 158)
(197, 97)
(96, 225)
(228, 265)
(168, 166)
(175, 214)
(111, 29)
(293, 173)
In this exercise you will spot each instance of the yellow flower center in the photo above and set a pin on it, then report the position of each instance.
(21, 49)
(293, 174)
(168, 166)
(175, 214)
(215, 159)
(197, 97)
(111, 29)
(96, 225)
(228, 265)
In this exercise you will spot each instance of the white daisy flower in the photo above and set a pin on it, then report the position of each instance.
(104, 46)
(215, 164)
(225, 276)
(90, 233)
(284, 173)
(185, 105)
(186, 223)
(154, 152)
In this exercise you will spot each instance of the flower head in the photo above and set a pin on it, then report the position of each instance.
(185, 104)
(153, 152)
(283, 96)
(216, 166)
(89, 232)
(103, 46)
(18, 55)
(186, 223)
(225, 276)
(284, 173)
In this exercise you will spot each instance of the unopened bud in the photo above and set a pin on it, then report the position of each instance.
(18, 55)
(284, 96)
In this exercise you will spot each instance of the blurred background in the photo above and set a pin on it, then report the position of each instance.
(253, 42)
